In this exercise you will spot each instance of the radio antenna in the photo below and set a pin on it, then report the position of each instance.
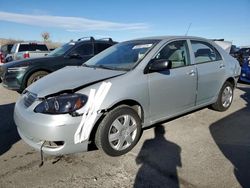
(188, 28)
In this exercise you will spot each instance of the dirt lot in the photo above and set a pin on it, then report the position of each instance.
(202, 149)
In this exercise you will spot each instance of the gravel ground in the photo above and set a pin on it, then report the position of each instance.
(201, 149)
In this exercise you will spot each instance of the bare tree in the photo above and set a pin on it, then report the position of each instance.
(45, 36)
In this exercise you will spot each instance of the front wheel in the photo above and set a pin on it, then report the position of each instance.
(119, 131)
(36, 76)
(225, 98)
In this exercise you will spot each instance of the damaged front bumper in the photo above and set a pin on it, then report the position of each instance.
(55, 131)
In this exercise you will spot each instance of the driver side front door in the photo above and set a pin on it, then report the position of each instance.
(172, 91)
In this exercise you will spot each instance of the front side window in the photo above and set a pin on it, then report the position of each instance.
(176, 52)
(84, 49)
(204, 52)
(122, 56)
(13, 49)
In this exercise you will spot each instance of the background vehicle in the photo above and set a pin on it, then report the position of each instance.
(233, 51)
(242, 55)
(27, 50)
(20, 74)
(131, 85)
(245, 51)
(4, 51)
(1, 58)
(245, 71)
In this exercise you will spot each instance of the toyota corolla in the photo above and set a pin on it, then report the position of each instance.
(132, 85)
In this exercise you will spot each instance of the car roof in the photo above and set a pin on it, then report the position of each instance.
(92, 39)
(101, 41)
(171, 38)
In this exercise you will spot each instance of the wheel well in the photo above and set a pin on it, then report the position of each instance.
(24, 83)
(231, 81)
(132, 103)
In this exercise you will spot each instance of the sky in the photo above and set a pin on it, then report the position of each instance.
(125, 20)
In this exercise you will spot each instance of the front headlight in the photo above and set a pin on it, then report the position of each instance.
(62, 104)
(17, 69)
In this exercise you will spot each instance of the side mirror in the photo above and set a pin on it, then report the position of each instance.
(158, 65)
(75, 56)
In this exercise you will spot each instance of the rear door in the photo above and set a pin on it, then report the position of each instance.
(172, 91)
(210, 68)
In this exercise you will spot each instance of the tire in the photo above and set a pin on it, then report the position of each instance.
(114, 135)
(225, 98)
(36, 76)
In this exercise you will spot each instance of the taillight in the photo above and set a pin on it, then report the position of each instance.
(1, 58)
(26, 55)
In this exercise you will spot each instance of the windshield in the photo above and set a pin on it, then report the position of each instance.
(61, 50)
(123, 56)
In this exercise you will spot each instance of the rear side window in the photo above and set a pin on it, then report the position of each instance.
(84, 49)
(99, 47)
(204, 52)
(32, 47)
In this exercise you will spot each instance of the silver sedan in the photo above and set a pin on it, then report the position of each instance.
(134, 84)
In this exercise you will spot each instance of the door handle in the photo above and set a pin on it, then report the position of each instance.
(222, 66)
(191, 73)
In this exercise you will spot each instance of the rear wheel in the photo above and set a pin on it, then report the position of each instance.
(225, 98)
(36, 76)
(119, 131)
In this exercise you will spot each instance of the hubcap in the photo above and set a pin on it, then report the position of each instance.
(122, 132)
(227, 97)
(37, 78)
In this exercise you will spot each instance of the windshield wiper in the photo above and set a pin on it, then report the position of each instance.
(111, 68)
(84, 65)
(105, 67)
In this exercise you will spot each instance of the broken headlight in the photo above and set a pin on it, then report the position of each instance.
(62, 104)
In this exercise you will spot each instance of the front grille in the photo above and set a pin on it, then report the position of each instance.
(29, 98)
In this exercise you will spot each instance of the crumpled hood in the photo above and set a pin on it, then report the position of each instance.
(70, 78)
